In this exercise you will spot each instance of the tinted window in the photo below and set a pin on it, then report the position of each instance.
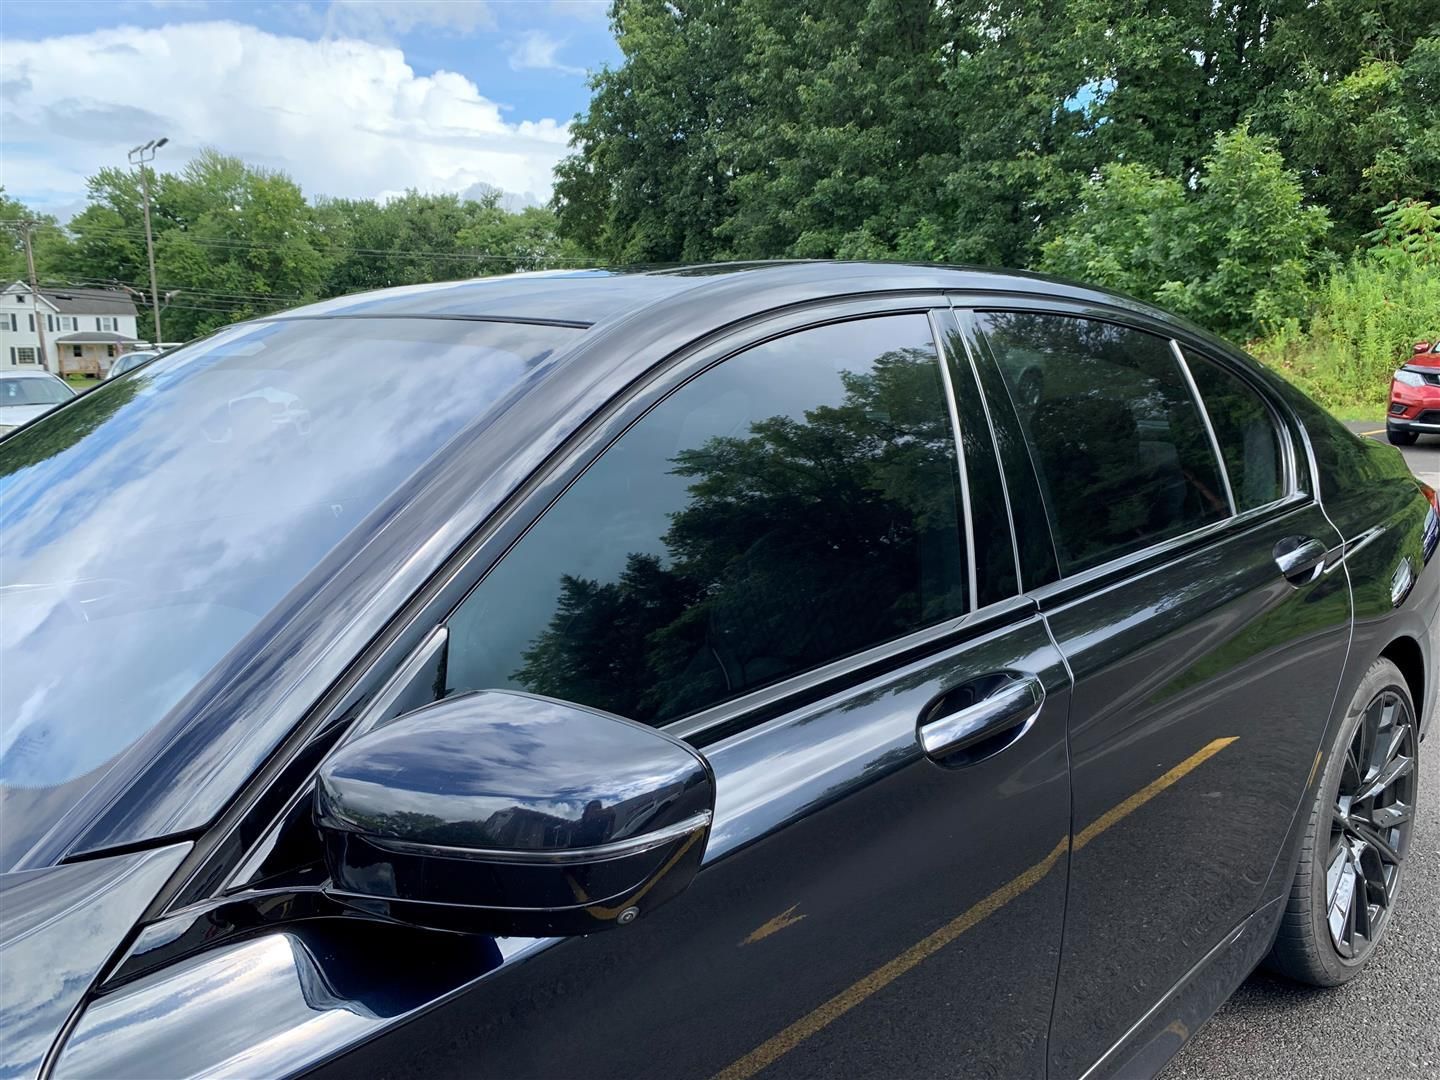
(149, 526)
(790, 506)
(1117, 438)
(1246, 432)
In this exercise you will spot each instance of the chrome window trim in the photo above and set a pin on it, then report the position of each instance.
(972, 576)
(965, 344)
(1173, 545)
(1209, 427)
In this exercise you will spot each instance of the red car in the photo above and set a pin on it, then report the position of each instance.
(1415, 396)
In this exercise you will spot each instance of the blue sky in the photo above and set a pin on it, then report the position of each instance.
(356, 98)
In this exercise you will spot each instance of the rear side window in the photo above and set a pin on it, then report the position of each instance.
(1245, 429)
(1118, 441)
(790, 506)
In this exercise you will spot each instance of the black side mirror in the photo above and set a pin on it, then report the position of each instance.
(502, 813)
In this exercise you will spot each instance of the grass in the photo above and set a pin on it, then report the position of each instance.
(81, 383)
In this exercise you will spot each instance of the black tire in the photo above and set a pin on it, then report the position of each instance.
(1307, 949)
(1400, 438)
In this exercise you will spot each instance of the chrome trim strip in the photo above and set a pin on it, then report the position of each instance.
(943, 357)
(1291, 502)
(618, 849)
(1362, 541)
(961, 331)
(1209, 427)
(718, 715)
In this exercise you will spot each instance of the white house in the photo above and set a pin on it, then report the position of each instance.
(85, 329)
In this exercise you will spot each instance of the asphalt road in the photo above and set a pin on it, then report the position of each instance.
(1385, 1023)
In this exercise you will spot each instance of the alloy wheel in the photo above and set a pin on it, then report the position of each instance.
(1370, 825)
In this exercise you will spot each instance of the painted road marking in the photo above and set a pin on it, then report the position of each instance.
(777, 1046)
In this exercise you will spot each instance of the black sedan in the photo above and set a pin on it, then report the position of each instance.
(789, 670)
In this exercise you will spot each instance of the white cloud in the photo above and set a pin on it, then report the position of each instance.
(537, 49)
(343, 117)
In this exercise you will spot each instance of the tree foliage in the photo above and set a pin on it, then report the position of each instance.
(968, 130)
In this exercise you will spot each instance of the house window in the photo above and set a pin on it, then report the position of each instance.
(8, 321)
(106, 322)
(19, 298)
(24, 354)
(110, 351)
(68, 322)
(76, 350)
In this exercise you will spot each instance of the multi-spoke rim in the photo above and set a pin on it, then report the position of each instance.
(1370, 825)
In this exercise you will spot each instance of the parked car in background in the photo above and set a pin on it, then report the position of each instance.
(730, 672)
(1415, 396)
(131, 360)
(26, 395)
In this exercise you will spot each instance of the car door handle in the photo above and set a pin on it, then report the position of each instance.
(1007, 705)
(1300, 558)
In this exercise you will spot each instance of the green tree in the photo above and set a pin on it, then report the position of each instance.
(231, 241)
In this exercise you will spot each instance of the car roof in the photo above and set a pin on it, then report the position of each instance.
(22, 374)
(589, 297)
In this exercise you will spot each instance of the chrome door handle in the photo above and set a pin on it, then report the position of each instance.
(1300, 559)
(1008, 709)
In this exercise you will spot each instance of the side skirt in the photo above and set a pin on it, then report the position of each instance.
(1156, 1038)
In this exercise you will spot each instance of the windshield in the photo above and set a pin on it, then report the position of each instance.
(147, 528)
(31, 391)
(128, 361)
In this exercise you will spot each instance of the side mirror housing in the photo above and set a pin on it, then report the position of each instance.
(503, 813)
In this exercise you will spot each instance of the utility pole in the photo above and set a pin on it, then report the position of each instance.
(138, 157)
(25, 227)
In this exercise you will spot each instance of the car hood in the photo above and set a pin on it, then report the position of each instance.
(15, 415)
(58, 928)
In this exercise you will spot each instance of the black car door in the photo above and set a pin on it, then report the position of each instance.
(780, 562)
(1190, 593)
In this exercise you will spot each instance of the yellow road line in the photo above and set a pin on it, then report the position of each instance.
(777, 1046)
(1380, 432)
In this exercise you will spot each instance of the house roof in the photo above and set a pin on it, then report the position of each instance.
(78, 300)
(95, 337)
(90, 301)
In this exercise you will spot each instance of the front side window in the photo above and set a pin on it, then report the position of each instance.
(1245, 429)
(1118, 441)
(793, 505)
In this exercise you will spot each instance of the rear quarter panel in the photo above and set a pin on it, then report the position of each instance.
(1375, 502)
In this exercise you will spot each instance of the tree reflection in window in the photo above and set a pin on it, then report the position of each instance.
(794, 505)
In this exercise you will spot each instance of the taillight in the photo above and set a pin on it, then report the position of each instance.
(1431, 494)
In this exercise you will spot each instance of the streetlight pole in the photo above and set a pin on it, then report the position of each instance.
(138, 156)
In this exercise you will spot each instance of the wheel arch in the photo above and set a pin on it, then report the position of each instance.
(1405, 654)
